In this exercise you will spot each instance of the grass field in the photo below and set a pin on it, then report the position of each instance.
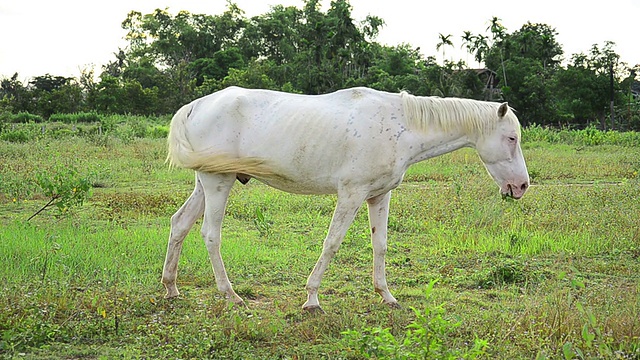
(554, 275)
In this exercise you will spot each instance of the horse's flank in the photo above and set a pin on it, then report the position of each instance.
(181, 154)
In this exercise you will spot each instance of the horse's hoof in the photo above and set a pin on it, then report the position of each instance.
(314, 309)
(240, 304)
(171, 295)
(393, 305)
(236, 300)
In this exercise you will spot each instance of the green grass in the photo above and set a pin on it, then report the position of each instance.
(557, 269)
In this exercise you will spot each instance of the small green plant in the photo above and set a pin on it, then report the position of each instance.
(593, 339)
(427, 337)
(49, 252)
(262, 223)
(65, 188)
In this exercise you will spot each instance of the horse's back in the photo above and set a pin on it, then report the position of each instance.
(312, 141)
(255, 116)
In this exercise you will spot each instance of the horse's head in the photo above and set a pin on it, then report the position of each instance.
(499, 149)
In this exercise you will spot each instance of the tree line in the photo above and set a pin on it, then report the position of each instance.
(173, 59)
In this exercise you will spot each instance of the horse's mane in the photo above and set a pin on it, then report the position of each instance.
(471, 116)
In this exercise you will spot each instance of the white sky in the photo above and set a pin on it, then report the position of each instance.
(61, 37)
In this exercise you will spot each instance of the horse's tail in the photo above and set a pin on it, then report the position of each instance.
(178, 145)
(181, 154)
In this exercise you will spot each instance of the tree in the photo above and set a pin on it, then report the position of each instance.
(584, 88)
(55, 94)
(217, 66)
(332, 49)
(183, 38)
(468, 40)
(274, 35)
(170, 45)
(16, 96)
(529, 58)
(535, 41)
(498, 32)
(480, 47)
(444, 40)
(528, 92)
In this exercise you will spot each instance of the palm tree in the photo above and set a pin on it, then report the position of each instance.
(480, 46)
(445, 40)
(467, 40)
(498, 33)
(496, 28)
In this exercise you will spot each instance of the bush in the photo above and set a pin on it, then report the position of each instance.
(590, 136)
(16, 136)
(158, 132)
(75, 118)
(65, 187)
(25, 117)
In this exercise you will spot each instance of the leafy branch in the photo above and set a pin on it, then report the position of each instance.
(65, 188)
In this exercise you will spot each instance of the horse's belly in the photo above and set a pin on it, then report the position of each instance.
(305, 186)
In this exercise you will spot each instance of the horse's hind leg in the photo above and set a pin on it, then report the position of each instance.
(378, 218)
(216, 190)
(181, 223)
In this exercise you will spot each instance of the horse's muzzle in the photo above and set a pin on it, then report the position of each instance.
(514, 191)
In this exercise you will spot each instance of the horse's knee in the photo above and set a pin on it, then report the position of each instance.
(180, 225)
(211, 238)
(380, 249)
(331, 247)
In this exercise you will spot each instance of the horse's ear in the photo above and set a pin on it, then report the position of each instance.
(502, 110)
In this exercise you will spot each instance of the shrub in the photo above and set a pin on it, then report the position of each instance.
(64, 186)
(16, 136)
(590, 136)
(75, 118)
(108, 123)
(158, 132)
(25, 117)
(5, 117)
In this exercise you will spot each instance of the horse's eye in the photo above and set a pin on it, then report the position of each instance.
(512, 138)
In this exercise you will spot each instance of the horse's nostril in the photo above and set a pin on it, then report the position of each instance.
(524, 187)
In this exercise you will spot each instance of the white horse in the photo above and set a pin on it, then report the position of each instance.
(356, 143)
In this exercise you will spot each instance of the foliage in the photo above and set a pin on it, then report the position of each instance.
(589, 136)
(19, 136)
(75, 118)
(426, 337)
(65, 188)
(262, 223)
(25, 117)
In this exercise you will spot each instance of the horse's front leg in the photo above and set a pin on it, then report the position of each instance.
(181, 222)
(345, 212)
(378, 218)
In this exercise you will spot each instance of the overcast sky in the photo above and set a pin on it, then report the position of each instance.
(61, 37)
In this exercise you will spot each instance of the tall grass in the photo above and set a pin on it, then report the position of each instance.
(589, 136)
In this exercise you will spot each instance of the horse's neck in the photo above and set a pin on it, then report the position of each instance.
(436, 143)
